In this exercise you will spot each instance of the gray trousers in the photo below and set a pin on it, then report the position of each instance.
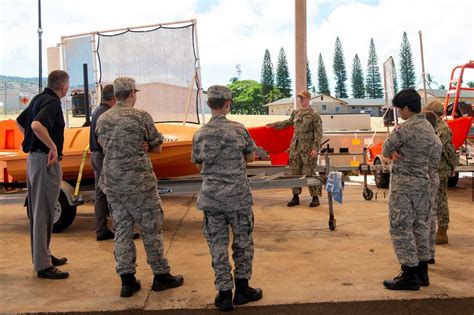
(408, 217)
(43, 184)
(101, 206)
(145, 210)
(216, 230)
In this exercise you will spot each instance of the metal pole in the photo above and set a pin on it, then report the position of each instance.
(40, 32)
(300, 46)
(198, 74)
(423, 68)
(86, 95)
(5, 103)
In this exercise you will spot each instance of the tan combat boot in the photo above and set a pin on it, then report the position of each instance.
(441, 236)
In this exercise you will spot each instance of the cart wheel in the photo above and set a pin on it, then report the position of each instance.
(368, 193)
(332, 224)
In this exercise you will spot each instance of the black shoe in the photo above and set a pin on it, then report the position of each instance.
(431, 261)
(407, 280)
(295, 201)
(166, 281)
(245, 294)
(422, 273)
(109, 235)
(315, 202)
(136, 236)
(58, 261)
(130, 285)
(223, 301)
(52, 273)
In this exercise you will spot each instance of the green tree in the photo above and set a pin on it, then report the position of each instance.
(470, 84)
(267, 79)
(283, 81)
(357, 81)
(248, 98)
(395, 79)
(407, 68)
(442, 87)
(373, 81)
(323, 84)
(309, 79)
(339, 68)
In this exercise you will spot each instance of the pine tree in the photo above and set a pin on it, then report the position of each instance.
(358, 89)
(373, 84)
(309, 80)
(323, 84)
(407, 68)
(339, 68)
(267, 78)
(283, 81)
(395, 79)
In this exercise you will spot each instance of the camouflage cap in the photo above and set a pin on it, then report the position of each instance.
(124, 84)
(304, 94)
(219, 92)
(435, 107)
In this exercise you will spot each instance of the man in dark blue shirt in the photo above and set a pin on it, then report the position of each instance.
(42, 124)
(101, 206)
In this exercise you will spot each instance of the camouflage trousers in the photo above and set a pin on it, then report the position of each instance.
(433, 210)
(408, 217)
(216, 230)
(443, 210)
(302, 164)
(144, 210)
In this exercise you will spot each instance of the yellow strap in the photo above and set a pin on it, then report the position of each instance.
(79, 176)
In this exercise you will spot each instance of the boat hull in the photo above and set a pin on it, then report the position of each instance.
(173, 161)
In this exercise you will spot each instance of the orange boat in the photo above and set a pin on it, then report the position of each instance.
(173, 161)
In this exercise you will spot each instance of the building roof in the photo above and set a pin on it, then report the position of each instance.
(441, 93)
(282, 101)
(363, 101)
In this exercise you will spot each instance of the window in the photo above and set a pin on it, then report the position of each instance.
(324, 107)
(338, 109)
(362, 107)
(353, 107)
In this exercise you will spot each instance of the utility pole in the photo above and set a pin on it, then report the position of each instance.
(300, 46)
(40, 32)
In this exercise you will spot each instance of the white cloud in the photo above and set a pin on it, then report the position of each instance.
(238, 32)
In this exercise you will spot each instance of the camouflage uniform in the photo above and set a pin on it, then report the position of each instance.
(130, 185)
(448, 162)
(306, 137)
(409, 198)
(226, 199)
(433, 189)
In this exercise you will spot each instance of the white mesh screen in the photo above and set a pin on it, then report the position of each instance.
(162, 61)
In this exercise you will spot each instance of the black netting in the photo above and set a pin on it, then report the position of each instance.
(163, 63)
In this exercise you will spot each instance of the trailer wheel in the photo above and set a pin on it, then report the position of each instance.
(64, 214)
(367, 193)
(453, 180)
(382, 180)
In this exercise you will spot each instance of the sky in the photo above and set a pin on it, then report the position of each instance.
(232, 32)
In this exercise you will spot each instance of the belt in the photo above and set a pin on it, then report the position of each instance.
(60, 157)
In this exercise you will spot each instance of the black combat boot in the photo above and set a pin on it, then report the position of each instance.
(223, 301)
(130, 285)
(407, 280)
(295, 201)
(166, 281)
(244, 293)
(314, 202)
(422, 273)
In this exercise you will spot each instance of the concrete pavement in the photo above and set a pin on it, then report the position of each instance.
(300, 264)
